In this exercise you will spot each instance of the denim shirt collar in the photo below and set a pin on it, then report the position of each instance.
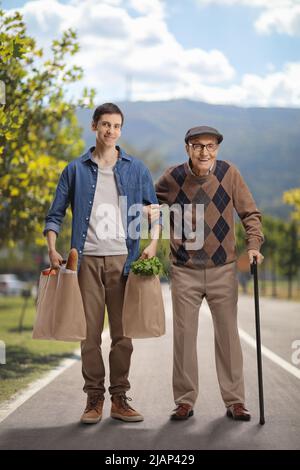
(122, 154)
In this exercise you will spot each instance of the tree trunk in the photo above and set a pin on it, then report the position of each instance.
(22, 316)
(290, 286)
(274, 277)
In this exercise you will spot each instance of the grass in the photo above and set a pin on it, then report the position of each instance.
(26, 359)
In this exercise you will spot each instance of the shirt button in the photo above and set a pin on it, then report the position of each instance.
(93, 186)
(86, 218)
(95, 169)
(83, 235)
(80, 251)
(90, 202)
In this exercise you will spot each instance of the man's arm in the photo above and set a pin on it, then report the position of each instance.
(249, 215)
(55, 217)
(152, 209)
(55, 258)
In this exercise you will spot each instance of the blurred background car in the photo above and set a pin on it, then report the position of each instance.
(11, 285)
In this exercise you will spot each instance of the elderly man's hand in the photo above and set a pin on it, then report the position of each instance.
(259, 256)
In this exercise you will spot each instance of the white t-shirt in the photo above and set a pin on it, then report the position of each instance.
(106, 235)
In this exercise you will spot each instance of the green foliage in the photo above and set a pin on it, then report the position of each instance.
(290, 250)
(281, 244)
(240, 238)
(163, 254)
(39, 132)
(281, 250)
(147, 267)
(292, 197)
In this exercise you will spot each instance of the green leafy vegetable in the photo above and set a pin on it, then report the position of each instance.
(147, 267)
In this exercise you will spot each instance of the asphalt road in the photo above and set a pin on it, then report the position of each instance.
(50, 418)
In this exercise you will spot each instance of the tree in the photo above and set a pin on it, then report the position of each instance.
(39, 128)
(292, 258)
(274, 240)
(290, 254)
(292, 197)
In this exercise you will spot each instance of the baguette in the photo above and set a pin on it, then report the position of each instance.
(72, 260)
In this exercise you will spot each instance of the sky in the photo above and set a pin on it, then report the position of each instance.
(240, 52)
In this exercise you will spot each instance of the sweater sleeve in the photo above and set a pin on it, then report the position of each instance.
(162, 188)
(248, 212)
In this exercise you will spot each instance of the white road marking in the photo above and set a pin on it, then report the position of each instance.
(270, 355)
(9, 406)
(264, 351)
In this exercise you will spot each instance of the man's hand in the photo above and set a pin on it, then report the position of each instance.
(150, 250)
(259, 256)
(55, 259)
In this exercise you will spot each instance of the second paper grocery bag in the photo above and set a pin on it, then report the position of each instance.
(143, 310)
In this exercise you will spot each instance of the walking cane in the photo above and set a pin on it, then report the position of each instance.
(258, 342)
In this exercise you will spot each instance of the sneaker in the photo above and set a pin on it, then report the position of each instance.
(93, 411)
(183, 411)
(120, 409)
(238, 412)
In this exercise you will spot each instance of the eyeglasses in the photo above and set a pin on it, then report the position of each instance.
(200, 147)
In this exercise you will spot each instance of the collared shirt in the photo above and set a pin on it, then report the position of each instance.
(77, 186)
(206, 174)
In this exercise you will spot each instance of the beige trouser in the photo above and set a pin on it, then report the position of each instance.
(220, 287)
(102, 282)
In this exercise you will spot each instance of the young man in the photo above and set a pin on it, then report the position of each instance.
(209, 269)
(105, 233)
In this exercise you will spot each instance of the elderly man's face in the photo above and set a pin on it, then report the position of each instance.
(203, 151)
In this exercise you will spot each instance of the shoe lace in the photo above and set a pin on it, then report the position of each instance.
(124, 402)
(93, 401)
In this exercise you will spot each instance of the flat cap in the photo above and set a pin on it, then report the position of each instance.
(201, 130)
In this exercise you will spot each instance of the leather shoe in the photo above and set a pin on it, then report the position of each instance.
(183, 411)
(238, 412)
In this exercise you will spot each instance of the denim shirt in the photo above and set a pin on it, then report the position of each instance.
(77, 186)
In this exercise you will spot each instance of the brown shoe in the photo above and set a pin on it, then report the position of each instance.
(93, 411)
(120, 409)
(183, 411)
(238, 412)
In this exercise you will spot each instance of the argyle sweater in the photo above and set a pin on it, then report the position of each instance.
(221, 191)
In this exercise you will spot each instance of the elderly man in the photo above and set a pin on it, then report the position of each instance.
(207, 269)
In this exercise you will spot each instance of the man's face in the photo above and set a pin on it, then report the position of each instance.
(202, 157)
(108, 129)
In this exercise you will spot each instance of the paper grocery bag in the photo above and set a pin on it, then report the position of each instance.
(44, 322)
(143, 309)
(60, 312)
